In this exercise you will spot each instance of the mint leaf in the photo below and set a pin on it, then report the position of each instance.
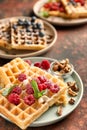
(44, 13)
(37, 93)
(7, 90)
(35, 88)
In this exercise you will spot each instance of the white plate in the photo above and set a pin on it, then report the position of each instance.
(57, 20)
(50, 116)
(10, 54)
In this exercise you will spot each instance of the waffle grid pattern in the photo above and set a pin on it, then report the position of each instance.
(22, 114)
(23, 39)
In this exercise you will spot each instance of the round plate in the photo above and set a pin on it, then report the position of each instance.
(49, 30)
(57, 20)
(50, 116)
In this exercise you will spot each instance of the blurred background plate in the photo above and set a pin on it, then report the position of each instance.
(57, 20)
(49, 30)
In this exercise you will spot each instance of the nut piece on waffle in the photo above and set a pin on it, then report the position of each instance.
(75, 8)
(5, 36)
(28, 34)
(26, 94)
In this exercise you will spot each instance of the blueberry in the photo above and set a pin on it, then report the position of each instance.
(14, 27)
(41, 34)
(29, 42)
(27, 23)
(38, 26)
(28, 30)
(33, 18)
(20, 22)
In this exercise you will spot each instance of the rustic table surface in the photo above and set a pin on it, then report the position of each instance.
(72, 44)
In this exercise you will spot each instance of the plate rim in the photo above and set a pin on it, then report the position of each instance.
(66, 22)
(10, 56)
(44, 123)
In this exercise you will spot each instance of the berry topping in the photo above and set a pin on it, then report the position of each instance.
(45, 64)
(27, 23)
(41, 34)
(20, 22)
(42, 79)
(29, 89)
(29, 100)
(48, 84)
(28, 61)
(37, 64)
(54, 88)
(14, 98)
(38, 25)
(22, 77)
(17, 90)
(42, 86)
(33, 18)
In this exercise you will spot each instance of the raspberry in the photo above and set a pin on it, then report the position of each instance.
(54, 88)
(14, 98)
(48, 84)
(45, 64)
(42, 86)
(22, 77)
(17, 90)
(37, 64)
(28, 61)
(42, 79)
(29, 100)
(29, 89)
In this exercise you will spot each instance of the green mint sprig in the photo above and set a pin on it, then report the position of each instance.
(7, 91)
(37, 92)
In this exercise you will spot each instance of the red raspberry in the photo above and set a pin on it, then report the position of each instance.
(54, 88)
(14, 98)
(28, 61)
(37, 64)
(82, 2)
(45, 64)
(48, 84)
(22, 77)
(42, 86)
(17, 90)
(29, 100)
(29, 89)
(42, 79)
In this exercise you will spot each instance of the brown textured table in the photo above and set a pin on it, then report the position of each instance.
(71, 43)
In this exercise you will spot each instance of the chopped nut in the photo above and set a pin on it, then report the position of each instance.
(73, 86)
(71, 92)
(59, 110)
(55, 67)
(62, 66)
(71, 101)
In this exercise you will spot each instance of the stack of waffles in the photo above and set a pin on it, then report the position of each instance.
(23, 106)
(23, 34)
(65, 8)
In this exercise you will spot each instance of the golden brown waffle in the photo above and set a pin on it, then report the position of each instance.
(22, 114)
(58, 13)
(28, 35)
(75, 9)
(11, 70)
(5, 37)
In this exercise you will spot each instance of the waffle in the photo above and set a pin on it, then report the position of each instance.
(27, 36)
(57, 13)
(75, 9)
(5, 37)
(22, 114)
